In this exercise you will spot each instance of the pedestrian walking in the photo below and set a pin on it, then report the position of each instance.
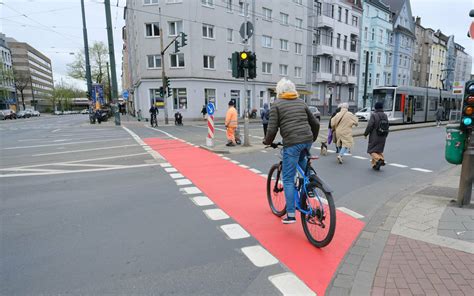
(265, 115)
(299, 129)
(377, 130)
(333, 133)
(204, 111)
(439, 115)
(231, 123)
(342, 124)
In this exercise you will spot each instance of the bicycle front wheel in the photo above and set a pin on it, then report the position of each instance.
(275, 192)
(320, 224)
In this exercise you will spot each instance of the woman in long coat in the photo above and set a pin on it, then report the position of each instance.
(342, 125)
(376, 144)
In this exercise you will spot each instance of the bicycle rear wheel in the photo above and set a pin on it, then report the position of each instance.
(275, 192)
(320, 225)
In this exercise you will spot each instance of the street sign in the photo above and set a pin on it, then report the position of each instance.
(249, 30)
(211, 109)
(125, 94)
(458, 87)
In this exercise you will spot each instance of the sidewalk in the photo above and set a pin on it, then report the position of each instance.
(421, 243)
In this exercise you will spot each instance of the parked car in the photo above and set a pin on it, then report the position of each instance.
(364, 114)
(23, 114)
(315, 112)
(36, 113)
(2, 116)
(8, 114)
(85, 111)
(57, 112)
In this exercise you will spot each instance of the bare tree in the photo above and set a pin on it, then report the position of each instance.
(21, 82)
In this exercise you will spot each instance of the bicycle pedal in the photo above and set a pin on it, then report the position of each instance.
(311, 194)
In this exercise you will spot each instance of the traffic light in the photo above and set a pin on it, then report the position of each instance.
(467, 118)
(184, 39)
(237, 71)
(176, 46)
(167, 83)
(244, 57)
(162, 93)
(252, 66)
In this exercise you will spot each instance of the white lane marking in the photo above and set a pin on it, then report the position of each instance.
(167, 134)
(56, 130)
(89, 165)
(171, 170)
(264, 151)
(350, 212)
(165, 165)
(244, 166)
(218, 154)
(134, 136)
(235, 161)
(61, 144)
(202, 201)
(359, 157)
(60, 140)
(290, 284)
(181, 182)
(85, 150)
(31, 170)
(421, 170)
(259, 256)
(398, 165)
(257, 137)
(331, 151)
(264, 175)
(235, 231)
(176, 176)
(78, 171)
(226, 158)
(255, 171)
(216, 214)
(191, 190)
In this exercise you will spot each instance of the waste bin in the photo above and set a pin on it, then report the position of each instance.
(455, 141)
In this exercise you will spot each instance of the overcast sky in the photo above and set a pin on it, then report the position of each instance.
(54, 27)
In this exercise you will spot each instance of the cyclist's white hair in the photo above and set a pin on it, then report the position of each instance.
(285, 85)
(344, 105)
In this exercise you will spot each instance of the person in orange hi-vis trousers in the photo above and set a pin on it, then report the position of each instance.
(231, 123)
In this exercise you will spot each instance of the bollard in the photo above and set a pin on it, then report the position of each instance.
(210, 131)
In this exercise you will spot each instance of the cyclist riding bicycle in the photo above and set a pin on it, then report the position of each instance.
(153, 112)
(299, 129)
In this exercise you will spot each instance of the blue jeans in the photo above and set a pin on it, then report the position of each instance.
(291, 156)
(343, 151)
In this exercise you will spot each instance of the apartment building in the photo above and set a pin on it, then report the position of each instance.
(7, 86)
(462, 69)
(422, 54)
(438, 55)
(334, 53)
(201, 71)
(32, 63)
(377, 40)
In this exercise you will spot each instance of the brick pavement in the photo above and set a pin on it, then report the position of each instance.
(412, 267)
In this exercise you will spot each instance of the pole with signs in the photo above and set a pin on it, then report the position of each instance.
(210, 125)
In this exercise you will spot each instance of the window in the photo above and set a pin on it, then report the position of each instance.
(351, 94)
(316, 64)
(389, 79)
(208, 3)
(177, 60)
(379, 58)
(298, 48)
(300, 2)
(230, 35)
(173, 1)
(406, 61)
(370, 79)
(377, 79)
(390, 59)
(347, 16)
(267, 14)
(284, 18)
(150, 2)
(283, 44)
(241, 8)
(299, 23)
(353, 44)
(317, 37)
(208, 62)
(366, 33)
(318, 7)
(336, 68)
(352, 67)
(339, 14)
(152, 30)
(400, 60)
(180, 99)
(355, 21)
(343, 68)
(284, 70)
(372, 37)
(175, 28)
(328, 10)
(345, 42)
(154, 61)
(229, 64)
(298, 72)
(266, 68)
(228, 5)
(208, 31)
(338, 40)
(420, 106)
(329, 64)
(371, 57)
(266, 41)
(155, 95)
(210, 96)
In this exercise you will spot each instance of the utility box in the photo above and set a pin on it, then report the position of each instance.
(455, 142)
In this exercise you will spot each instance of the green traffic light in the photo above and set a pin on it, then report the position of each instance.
(467, 121)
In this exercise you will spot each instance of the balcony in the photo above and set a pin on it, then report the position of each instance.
(323, 49)
(352, 79)
(321, 77)
(324, 22)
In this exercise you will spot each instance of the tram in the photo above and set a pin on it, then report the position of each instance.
(408, 104)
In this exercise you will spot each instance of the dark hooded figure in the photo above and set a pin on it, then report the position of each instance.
(376, 137)
(265, 115)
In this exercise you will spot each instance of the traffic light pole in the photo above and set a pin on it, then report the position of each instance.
(467, 173)
(246, 75)
(163, 74)
(108, 19)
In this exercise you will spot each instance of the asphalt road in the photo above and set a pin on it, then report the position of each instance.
(86, 209)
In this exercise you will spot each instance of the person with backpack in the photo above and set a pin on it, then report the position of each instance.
(265, 115)
(377, 128)
(342, 124)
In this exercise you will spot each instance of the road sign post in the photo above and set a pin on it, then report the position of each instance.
(210, 125)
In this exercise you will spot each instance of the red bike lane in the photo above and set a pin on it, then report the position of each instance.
(242, 195)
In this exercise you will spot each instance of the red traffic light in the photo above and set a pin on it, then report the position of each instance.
(470, 100)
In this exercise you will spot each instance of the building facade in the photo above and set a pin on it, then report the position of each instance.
(377, 40)
(7, 86)
(438, 55)
(462, 68)
(422, 54)
(29, 62)
(201, 71)
(404, 41)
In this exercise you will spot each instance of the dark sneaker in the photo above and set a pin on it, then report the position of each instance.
(288, 220)
(377, 165)
(230, 144)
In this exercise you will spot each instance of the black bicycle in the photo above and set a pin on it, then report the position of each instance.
(153, 120)
(313, 199)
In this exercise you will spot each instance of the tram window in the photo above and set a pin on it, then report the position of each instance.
(433, 104)
(398, 103)
(419, 103)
